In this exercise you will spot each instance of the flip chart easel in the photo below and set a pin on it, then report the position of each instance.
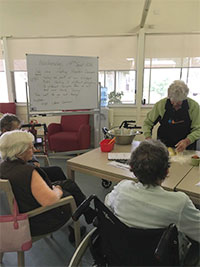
(62, 82)
(60, 85)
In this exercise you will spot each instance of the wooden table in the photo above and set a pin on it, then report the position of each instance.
(95, 163)
(188, 185)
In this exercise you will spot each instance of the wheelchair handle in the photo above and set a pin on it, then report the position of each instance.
(82, 207)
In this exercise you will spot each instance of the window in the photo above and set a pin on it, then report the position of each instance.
(20, 79)
(156, 83)
(169, 58)
(194, 83)
(3, 82)
(120, 81)
(3, 87)
(125, 82)
(110, 80)
(101, 78)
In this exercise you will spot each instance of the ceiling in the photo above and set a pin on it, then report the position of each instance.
(97, 17)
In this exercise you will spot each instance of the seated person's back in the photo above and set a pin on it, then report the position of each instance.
(146, 204)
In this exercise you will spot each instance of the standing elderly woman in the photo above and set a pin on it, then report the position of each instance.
(146, 204)
(32, 188)
(179, 118)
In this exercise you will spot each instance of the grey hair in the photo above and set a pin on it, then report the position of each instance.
(6, 122)
(14, 143)
(149, 162)
(178, 91)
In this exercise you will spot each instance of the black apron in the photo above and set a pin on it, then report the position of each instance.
(175, 125)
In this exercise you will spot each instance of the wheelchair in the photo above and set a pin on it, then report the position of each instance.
(112, 243)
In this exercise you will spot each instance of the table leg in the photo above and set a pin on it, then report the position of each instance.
(70, 173)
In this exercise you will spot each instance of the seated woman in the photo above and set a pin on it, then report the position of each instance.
(146, 204)
(32, 187)
(10, 122)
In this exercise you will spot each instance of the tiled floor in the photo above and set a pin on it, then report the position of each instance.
(57, 251)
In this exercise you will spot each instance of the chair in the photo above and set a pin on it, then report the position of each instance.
(112, 243)
(72, 133)
(8, 107)
(45, 158)
(7, 189)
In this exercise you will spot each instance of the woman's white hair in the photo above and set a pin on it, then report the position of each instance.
(14, 143)
(178, 91)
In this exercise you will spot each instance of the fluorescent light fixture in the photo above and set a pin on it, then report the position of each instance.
(130, 58)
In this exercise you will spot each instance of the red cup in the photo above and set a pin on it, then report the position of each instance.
(105, 147)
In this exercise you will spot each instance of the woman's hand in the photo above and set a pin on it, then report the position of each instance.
(181, 145)
(58, 188)
(148, 138)
(37, 164)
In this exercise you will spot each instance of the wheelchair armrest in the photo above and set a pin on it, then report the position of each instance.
(82, 207)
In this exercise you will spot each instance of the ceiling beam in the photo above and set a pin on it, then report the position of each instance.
(145, 12)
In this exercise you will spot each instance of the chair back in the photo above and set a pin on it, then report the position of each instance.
(73, 122)
(7, 189)
(8, 107)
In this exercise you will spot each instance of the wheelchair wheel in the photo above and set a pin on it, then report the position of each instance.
(105, 183)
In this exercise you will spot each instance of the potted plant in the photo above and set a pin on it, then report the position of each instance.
(115, 98)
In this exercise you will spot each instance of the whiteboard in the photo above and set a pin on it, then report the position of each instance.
(57, 83)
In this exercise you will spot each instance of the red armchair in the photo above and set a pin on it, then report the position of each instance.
(73, 133)
(8, 107)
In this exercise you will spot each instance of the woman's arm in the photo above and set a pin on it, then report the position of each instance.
(194, 112)
(152, 116)
(189, 220)
(44, 195)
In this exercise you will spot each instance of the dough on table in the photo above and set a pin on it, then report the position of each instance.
(171, 151)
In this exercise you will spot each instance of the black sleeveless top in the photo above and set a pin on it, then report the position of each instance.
(20, 174)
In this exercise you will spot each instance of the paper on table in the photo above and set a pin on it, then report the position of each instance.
(198, 184)
(121, 155)
(119, 165)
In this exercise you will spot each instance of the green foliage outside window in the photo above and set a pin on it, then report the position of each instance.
(160, 87)
(115, 98)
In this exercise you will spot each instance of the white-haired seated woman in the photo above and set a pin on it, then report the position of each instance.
(32, 187)
(179, 118)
